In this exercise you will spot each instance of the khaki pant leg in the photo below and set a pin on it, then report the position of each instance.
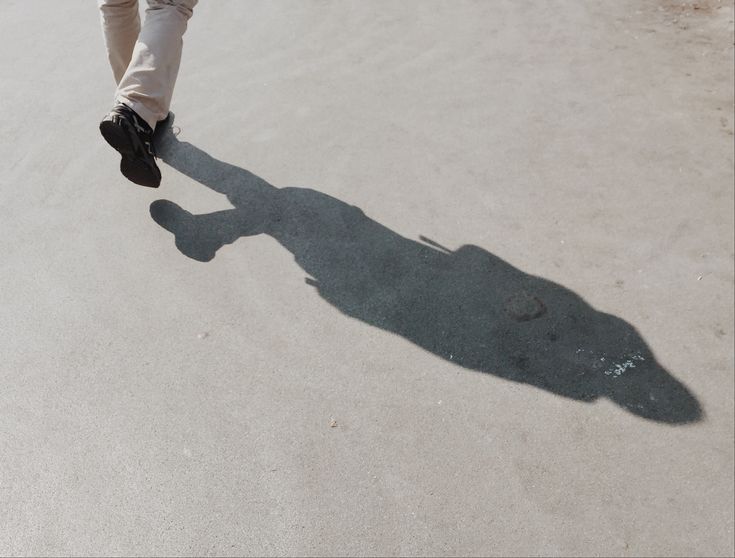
(120, 27)
(148, 84)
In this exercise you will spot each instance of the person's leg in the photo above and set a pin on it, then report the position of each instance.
(120, 26)
(148, 83)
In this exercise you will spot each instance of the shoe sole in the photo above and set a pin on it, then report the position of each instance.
(137, 165)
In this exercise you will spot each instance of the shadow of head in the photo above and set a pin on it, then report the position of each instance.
(466, 306)
(511, 324)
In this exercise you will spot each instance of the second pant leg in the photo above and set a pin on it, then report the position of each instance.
(148, 84)
(120, 27)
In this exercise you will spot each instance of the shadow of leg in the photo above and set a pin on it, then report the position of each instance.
(200, 236)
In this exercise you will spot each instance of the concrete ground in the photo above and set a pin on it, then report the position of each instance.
(422, 278)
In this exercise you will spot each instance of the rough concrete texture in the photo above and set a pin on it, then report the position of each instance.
(422, 278)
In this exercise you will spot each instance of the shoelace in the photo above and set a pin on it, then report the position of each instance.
(141, 126)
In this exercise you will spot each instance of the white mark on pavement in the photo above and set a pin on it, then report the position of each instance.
(617, 370)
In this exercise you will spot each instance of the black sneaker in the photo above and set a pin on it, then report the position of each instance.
(132, 137)
(163, 134)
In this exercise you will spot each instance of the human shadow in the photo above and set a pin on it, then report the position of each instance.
(466, 306)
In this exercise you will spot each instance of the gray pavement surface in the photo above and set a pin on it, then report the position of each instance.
(422, 278)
